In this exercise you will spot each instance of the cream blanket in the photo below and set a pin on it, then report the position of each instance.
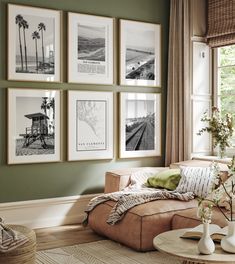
(126, 200)
(135, 194)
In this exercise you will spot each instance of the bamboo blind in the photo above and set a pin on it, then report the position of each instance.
(221, 23)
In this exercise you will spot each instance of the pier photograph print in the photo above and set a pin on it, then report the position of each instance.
(90, 49)
(90, 125)
(33, 122)
(140, 125)
(140, 53)
(35, 44)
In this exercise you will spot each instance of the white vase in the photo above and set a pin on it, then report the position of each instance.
(206, 245)
(228, 242)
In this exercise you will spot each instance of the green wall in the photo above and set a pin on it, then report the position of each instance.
(36, 181)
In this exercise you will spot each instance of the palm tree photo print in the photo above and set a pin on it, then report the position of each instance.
(35, 44)
(35, 126)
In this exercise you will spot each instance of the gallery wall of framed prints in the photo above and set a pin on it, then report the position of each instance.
(34, 115)
(34, 44)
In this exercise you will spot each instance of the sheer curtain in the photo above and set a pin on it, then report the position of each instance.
(178, 90)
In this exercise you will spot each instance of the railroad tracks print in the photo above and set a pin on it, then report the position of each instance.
(133, 140)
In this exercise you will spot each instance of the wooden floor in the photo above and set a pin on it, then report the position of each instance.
(62, 236)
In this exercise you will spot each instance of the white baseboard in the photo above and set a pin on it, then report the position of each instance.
(46, 212)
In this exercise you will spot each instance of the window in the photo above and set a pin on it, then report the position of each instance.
(225, 73)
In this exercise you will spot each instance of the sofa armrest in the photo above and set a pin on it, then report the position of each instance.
(119, 179)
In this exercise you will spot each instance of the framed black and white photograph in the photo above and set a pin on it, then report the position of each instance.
(34, 48)
(90, 49)
(33, 126)
(90, 125)
(140, 53)
(140, 125)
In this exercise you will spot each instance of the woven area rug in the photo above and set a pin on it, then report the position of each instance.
(101, 252)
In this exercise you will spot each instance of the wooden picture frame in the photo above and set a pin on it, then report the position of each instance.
(90, 49)
(140, 125)
(140, 53)
(34, 44)
(33, 125)
(90, 125)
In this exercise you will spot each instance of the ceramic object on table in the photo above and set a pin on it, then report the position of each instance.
(206, 245)
(228, 242)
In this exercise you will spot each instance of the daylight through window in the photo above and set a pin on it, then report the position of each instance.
(226, 81)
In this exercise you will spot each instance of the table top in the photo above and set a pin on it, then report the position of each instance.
(186, 249)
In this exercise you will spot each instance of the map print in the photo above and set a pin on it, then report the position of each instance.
(91, 125)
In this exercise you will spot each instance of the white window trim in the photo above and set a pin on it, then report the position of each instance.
(231, 150)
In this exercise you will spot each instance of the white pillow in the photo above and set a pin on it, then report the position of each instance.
(198, 180)
(140, 177)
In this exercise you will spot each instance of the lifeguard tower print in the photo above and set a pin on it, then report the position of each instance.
(35, 125)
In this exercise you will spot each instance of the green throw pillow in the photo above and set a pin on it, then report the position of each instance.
(167, 179)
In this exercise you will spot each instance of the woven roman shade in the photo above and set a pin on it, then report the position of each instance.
(221, 23)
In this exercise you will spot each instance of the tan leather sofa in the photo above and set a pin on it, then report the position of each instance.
(143, 222)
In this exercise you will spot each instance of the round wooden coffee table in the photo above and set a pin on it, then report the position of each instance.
(186, 249)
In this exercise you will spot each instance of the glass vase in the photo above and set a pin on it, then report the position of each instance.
(222, 151)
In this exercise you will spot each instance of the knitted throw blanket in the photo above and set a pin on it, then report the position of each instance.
(9, 238)
(127, 199)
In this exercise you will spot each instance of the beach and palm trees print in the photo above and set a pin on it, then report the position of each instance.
(37, 63)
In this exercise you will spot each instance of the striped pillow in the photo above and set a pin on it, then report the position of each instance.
(198, 180)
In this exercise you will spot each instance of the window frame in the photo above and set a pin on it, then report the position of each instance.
(230, 151)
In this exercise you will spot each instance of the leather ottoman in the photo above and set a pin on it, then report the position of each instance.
(140, 224)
